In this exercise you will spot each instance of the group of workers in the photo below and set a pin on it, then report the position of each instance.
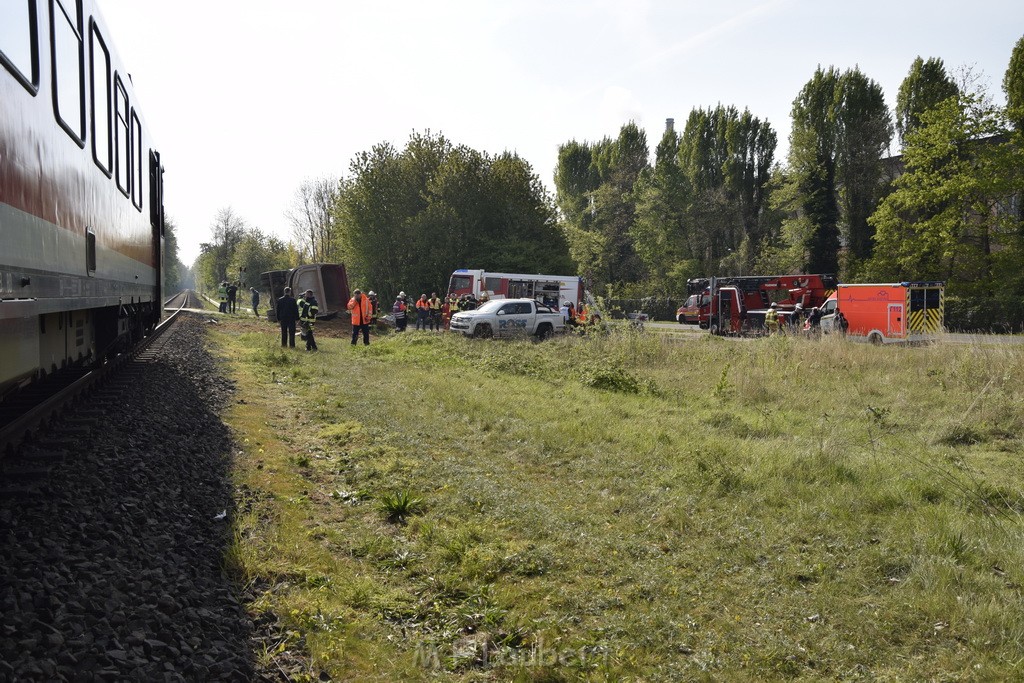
(809, 322)
(578, 315)
(302, 311)
(227, 294)
(432, 313)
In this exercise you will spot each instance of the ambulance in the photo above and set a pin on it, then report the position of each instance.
(888, 313)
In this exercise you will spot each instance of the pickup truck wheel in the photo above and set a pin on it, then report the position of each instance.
(483, 331)
(681, 319)
(545, 331)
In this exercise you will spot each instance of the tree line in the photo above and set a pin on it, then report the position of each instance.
(714, 200)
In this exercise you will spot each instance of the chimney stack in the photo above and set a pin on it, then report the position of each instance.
(670, 125)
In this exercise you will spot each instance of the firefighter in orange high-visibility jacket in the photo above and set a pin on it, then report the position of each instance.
(361, 309)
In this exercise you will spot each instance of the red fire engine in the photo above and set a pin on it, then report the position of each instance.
(737, 305)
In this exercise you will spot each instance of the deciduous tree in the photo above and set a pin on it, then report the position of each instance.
(949, 217)
(923, 89)
(311, 216)
(409, 218)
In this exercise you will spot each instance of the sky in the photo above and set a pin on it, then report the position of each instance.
(247, 99)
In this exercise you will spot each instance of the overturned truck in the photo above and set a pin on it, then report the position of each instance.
(328, 281)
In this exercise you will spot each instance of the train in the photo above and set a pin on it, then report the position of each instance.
(81, 195)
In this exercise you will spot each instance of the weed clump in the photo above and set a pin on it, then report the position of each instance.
(275, 358)
(959, 435)
(611, 376)
(399, 505)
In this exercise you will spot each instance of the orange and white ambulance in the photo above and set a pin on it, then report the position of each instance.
(887, 313)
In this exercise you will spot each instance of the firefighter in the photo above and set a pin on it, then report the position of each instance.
(374, 304)
(453, 308)
(581, 314)
(307, 318)
(771, 319)
(399, 309)
(796, 319)
(361, 310)
(422, 312)
(813, 324)
(434, 302)
(841, 322)
(222, 294)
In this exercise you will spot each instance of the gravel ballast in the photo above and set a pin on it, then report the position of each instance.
(114, 570)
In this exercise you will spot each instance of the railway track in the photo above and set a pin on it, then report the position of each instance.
(28, 413)
(113, 549)
(186, 299)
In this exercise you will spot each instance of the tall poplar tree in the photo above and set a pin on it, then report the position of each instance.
(599, 207)
(841, 129)
(726, 157)
(925, 86)
(813, 157)
(1013, 86)
(865, 131)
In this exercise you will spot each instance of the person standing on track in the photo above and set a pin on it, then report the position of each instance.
(307, 317)
(232, 297)
(255, 302)
(287, 315)
(222, 295)
(362, 314)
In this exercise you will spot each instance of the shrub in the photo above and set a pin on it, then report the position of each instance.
(977, 314)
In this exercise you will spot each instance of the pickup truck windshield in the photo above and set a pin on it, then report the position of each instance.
(491, 306)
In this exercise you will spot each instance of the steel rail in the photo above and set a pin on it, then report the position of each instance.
(12, 433)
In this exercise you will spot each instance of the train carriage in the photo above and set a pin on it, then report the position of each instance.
(81, 194)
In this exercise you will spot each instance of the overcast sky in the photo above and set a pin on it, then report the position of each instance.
(247, 98)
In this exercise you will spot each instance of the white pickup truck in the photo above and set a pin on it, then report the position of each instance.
(508, 318)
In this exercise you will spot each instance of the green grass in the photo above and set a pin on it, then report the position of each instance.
(629, 507)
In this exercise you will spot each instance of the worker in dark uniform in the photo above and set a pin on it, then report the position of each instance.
(287, 316)
(374, 305)
(307, 318)
(232, 297)
(255, 301)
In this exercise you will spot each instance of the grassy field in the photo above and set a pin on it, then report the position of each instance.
(631, 507)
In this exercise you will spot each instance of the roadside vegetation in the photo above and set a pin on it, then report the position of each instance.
(630, 507)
